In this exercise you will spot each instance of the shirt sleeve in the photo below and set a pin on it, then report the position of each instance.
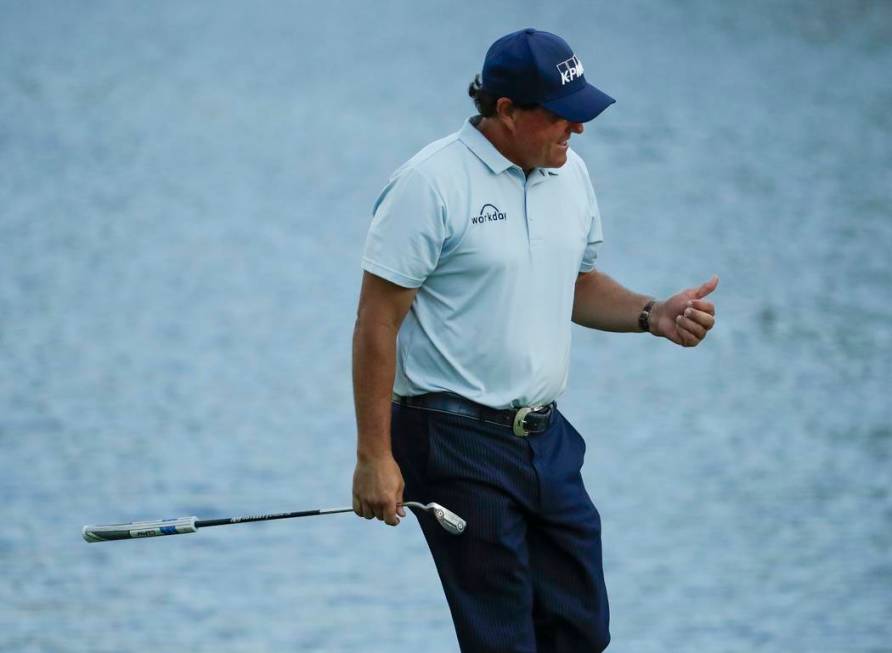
(595, 235)
(407, 232)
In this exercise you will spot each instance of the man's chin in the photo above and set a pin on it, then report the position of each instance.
(558, 160)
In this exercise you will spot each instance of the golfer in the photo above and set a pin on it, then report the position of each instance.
(480, 253)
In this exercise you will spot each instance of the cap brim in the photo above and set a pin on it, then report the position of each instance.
(580, 106)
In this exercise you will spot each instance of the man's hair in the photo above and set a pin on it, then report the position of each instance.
(486, 101)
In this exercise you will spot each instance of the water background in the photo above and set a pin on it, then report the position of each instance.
(184, 193)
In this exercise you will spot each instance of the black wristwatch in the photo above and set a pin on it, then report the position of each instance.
(644, 316)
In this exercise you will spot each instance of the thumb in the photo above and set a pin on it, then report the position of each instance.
(707, 287)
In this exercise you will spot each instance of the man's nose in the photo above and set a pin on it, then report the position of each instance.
(577, 127)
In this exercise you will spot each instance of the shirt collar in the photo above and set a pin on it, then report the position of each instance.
(480, 145)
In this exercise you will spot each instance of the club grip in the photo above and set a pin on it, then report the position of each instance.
(138, 529)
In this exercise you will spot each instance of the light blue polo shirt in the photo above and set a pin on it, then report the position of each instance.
(495, 256)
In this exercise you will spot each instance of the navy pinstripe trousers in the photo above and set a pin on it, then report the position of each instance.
(526, 575)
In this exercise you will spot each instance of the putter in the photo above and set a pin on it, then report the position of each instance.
(450, 522)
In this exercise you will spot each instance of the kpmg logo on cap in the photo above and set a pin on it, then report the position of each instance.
(570, 69)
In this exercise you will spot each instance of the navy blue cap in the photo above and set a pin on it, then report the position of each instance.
(534, 67)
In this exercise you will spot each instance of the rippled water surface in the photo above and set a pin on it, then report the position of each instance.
(184, 193)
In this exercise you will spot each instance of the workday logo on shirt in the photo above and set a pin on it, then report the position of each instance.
(488, 213)
(570, 69)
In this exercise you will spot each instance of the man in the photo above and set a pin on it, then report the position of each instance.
(480, 253)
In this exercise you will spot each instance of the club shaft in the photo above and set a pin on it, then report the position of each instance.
(225, 521)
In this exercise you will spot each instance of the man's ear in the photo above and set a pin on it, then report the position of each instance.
(506, 113)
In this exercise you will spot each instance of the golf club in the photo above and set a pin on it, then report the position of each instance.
(450, 522)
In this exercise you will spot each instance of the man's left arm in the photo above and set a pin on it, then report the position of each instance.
(685, 318)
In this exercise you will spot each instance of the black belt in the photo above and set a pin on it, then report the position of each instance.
(523, 421)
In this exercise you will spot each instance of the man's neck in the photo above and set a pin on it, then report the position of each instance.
(497, 135)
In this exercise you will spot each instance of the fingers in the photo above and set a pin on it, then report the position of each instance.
(675, 336)
(394, 510)
(363, 508)
(692, 326)
(383, 510)
(390, 516)
(690, 332)
(701, 318)
(378, 490)
(702, 305)
(685, 337)
(386, 511)
(697, 318)
(707, 287)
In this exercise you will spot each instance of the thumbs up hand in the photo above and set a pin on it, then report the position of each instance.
(686, 317)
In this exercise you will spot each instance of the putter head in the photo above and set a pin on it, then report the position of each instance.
(451, 522)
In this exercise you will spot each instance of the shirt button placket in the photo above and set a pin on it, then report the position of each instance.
(526, 214)
(531, 215)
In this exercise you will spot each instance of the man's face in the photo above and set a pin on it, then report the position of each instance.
(541, 138)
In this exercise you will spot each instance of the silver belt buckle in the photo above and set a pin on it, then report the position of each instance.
(519, 417)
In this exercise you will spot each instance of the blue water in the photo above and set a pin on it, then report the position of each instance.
(184, 193)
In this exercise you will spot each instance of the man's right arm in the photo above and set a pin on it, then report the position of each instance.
(377, 481)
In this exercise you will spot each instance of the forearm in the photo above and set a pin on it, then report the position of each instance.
(374, 364)
(601, 303)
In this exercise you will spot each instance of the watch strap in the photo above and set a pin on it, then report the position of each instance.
(644, 316)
